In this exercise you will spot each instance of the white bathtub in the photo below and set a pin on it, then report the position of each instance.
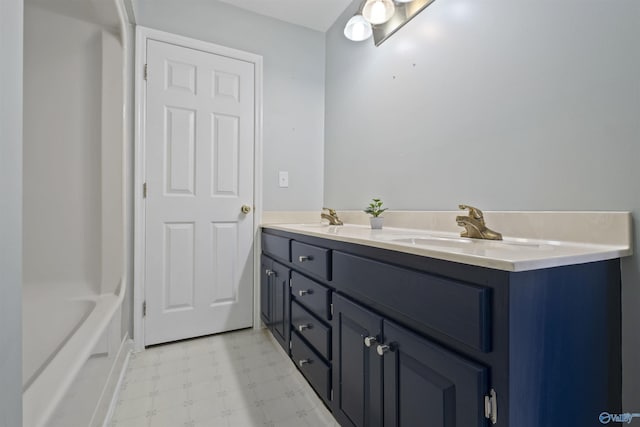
(60, 340)
(76, 187)
(51, 320)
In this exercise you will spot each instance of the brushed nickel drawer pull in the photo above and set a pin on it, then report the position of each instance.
(304, 326)
(303, 258)
(304, 292)
(304, 362)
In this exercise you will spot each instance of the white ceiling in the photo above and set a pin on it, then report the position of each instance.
(318, 15)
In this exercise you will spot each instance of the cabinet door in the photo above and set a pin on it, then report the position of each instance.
(427, 385)
(280, 317)
(357, 369)
(266, 271)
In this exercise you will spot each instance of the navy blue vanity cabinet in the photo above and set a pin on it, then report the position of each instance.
(388, 338)
(275, 301)
(386, 375)
(295, 304)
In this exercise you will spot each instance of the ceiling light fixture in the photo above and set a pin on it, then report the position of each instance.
(382, 18)
(357, 28)
(378, 11)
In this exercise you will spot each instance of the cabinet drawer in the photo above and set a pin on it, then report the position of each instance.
(276, 246)
(315, 370)
(312, 329)
(423, 301)
(312, 295)
(312, 259)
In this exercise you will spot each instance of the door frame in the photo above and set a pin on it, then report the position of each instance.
(142, 35)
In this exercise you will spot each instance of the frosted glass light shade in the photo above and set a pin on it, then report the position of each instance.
(357, 29)
(404, 1)
(378, 11)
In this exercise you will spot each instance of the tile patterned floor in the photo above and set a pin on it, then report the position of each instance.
(237, 379)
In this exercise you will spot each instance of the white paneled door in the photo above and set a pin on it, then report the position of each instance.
(199, 151)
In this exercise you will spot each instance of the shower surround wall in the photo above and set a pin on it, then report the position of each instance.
(506, 105)
(62, 147)
(73, 215)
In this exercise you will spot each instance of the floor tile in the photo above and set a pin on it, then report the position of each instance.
(238, 379)
(133, 408)
(130, 422)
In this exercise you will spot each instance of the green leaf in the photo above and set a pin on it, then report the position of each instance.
(375, 207)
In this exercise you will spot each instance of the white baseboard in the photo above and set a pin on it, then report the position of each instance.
(117, 376)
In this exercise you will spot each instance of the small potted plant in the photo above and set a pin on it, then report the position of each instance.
(375, 209)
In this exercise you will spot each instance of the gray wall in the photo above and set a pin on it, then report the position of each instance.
(293, 87)
(507, 105)
(11, 13)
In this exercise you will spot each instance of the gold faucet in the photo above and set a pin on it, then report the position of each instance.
(332, 216)
(474, 225)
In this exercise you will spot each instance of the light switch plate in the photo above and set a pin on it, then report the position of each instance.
(283, 179)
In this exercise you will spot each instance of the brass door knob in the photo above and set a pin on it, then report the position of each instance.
(245, 209)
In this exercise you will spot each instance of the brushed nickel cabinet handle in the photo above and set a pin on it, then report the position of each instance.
(369, 341)
(382, 349)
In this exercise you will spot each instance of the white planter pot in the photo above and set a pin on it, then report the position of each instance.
(376, 222)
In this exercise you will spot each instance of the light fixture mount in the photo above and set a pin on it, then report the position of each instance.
(382, 26)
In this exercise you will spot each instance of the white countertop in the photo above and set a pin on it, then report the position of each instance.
(510, 254)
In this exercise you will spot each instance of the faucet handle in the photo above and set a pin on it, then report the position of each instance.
(473, 212)
(332, 212)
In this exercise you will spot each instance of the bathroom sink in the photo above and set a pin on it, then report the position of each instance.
(327, 226)
(434, 241)
(320, 227)
(464, 243)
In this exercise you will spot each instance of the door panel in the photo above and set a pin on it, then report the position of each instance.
(357, 369)
(425, 384)
(223, 263)
(225, 155)
(179, 277)
(180, 152)
(199, 155)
